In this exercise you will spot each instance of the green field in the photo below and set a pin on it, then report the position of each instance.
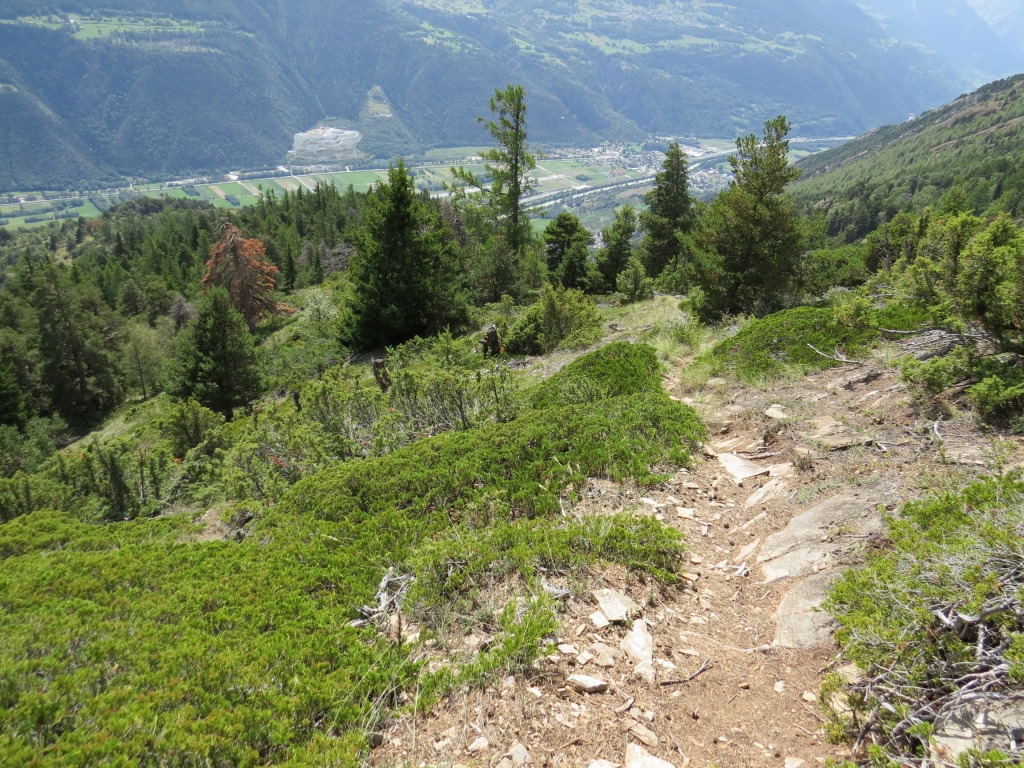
(95, 27)
(552, 175)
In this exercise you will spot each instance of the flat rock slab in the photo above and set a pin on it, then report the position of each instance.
(741, 469)
(638, 757)
(800, 622)
(767, 492)
(994, 722)
(588, 684)
(779, 412)
(832, 435)
(817, 539)
(615, 606)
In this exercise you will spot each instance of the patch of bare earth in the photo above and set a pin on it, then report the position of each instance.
(726, 690)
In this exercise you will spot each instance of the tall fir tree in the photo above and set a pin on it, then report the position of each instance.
(670, 211)
(216, 361)
(404, 272)
(618, 246)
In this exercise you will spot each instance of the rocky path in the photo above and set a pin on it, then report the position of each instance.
(724, 669)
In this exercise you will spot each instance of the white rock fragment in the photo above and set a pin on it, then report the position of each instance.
(778, 412)
(602, 764)
(645, 734)
(793, 762)
(741, 469)
(809, 697)
(766, 492)
(569, 650)
(588, 684)
(638, 644)
(615, 606)
(644, 671)
(519, 755)
(599, 620)
(479, 745)
(638, 757)
(780, 687)
(584, 658)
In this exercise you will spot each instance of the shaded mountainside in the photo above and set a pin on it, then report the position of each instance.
(149, 89)
(975, 142)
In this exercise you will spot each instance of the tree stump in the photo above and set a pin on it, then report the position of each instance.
(490, 342)
(380, 373)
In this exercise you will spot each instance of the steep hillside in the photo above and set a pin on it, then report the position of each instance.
(975, 141)
(156, 89)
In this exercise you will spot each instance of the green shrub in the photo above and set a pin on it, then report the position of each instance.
(561, 317)
(932, 377)
(934, 613)
(619, 368)
(126, 643)
(633, 282)
(767, 347)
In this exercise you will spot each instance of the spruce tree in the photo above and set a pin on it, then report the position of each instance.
(566, 241)
(670, 211)
(216, 361)
(618, 246)
(404, 272)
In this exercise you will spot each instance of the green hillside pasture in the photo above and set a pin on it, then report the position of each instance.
(95, 27)
(137, 643)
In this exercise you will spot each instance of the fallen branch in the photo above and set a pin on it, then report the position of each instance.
(838, 357)
(708, 664)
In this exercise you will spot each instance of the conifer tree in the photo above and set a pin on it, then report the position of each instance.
(216, 361)
(239, 265)
(618, 246)
(404, 272)
(565, 244)
(745, 253)
(670, 211)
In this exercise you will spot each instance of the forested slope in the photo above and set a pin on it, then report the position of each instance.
(977, 141)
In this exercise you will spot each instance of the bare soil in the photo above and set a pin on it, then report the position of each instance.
(723, 695)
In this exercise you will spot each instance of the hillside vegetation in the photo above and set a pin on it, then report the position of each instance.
(254, 466)
(974, 142)
(216, 87)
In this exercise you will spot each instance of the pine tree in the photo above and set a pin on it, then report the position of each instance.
(404, 272)
(745, 253)
(565, 245)
(216, 361)
(670, 211)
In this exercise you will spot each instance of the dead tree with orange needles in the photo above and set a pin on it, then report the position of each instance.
(239, 264)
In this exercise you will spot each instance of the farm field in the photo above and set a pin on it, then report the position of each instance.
(552, 175)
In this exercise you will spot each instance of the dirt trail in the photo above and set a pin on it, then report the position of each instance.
(724, 692)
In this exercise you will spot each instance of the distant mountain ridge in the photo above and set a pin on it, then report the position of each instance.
(158, 88)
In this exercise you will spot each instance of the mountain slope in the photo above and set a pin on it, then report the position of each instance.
(179, 87)
(977, 141)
